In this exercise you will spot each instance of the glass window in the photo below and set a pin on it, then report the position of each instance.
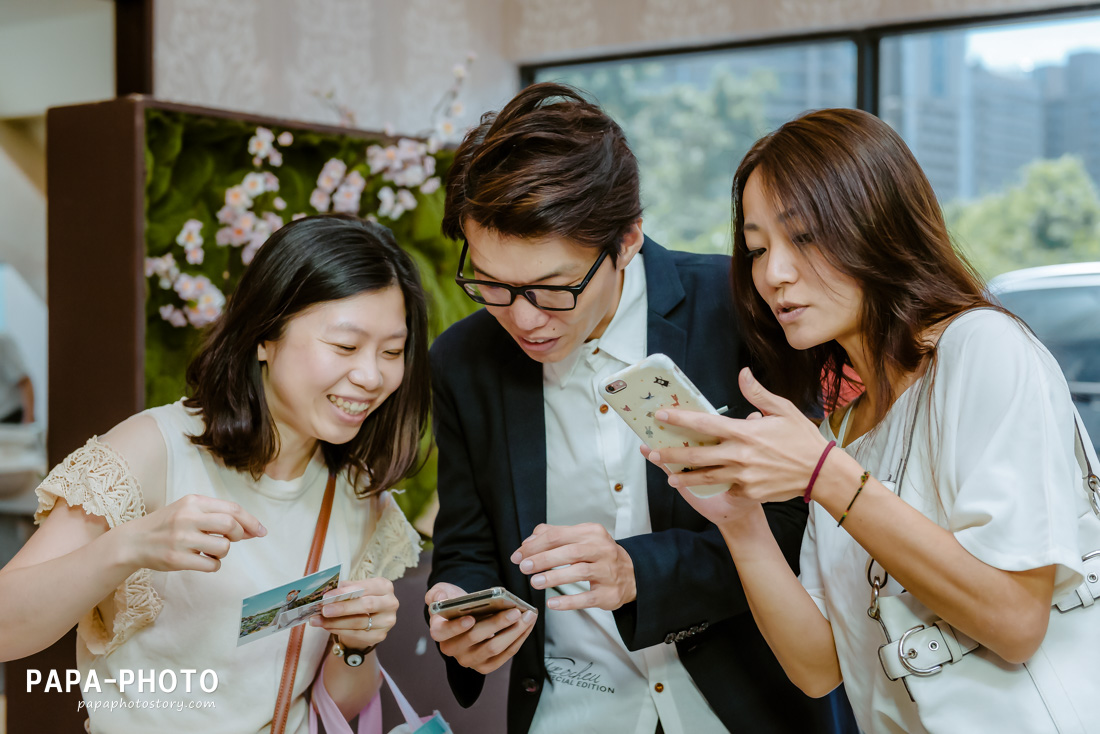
(1064, 312)
(1003, 118)
(690, 118)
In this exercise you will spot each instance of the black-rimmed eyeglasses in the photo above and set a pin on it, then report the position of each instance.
(545, 297)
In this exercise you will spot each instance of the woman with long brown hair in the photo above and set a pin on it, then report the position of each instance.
(954, 489)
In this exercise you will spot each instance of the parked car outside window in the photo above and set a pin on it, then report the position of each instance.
(1061, 304)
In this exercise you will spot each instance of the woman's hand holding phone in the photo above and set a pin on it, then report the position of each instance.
(639, 392)
(766, 458)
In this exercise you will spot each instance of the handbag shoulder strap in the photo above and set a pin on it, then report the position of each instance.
(294, 645)
(412, 719)
(1092, 482)
(899, 473)
(907, 438)
(325, 715)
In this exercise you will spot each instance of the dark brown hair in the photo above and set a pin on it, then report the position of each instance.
(851, 182)
(550, 163)
(307, 262)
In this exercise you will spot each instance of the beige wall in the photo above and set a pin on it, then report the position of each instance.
(55, 55)
(542, 30)
(23, 214)
(390, 60)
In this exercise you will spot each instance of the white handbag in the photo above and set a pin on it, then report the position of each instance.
(960, 686)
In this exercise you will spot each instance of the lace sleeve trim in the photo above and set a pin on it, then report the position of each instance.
(393, 547)
(97, 478)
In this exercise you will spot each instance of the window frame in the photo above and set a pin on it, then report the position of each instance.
(867, 40)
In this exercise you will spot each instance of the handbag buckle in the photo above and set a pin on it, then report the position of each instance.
(906, 655)
(1094, 493)
(876, 586)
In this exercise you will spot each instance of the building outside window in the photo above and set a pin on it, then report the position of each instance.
(1005, 120)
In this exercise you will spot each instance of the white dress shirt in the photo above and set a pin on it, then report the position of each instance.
(595, 473)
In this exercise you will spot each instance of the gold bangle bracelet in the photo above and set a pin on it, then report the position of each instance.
(862, 482)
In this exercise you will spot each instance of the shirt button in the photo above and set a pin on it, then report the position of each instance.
(618, 488)
(530, 685)
(603, 408)
(659, 687)
(596, 350)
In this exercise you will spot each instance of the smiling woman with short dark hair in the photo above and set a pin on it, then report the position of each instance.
(308, 400)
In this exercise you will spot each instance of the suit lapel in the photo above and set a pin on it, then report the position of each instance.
(525, 427)
(526, 431)
(664, 335)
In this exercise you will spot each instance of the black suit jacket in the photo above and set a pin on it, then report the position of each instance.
(490, 431)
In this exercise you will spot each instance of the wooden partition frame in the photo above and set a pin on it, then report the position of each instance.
(95, 269)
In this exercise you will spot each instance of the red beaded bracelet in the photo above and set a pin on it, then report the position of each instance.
(817, 470)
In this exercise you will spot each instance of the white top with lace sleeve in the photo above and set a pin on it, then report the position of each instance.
(165, 624)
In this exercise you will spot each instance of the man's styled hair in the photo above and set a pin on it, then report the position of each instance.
(550, 164)
(305, 263)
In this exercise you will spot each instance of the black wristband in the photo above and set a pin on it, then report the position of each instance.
(353, 657)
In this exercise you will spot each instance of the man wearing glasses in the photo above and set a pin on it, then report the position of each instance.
(642, 624)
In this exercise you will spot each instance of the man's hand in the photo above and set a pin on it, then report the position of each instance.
(482, 645)
(585, 553)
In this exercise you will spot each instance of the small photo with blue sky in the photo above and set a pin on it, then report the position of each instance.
(259, 612)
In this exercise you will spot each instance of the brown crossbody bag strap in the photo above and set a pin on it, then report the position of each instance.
(294, 646)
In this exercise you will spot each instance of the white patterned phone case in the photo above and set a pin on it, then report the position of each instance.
(639, 391)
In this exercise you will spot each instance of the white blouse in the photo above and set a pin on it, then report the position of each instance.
(993, 462)
(189, 620)
(595, 473)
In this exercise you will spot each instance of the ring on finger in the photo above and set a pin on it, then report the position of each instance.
(370, 622)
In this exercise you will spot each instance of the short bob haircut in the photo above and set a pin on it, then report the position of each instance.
(310, 261)
(550, 164)
(847, 180)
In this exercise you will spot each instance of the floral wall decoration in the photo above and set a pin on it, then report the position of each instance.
(217, 188)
